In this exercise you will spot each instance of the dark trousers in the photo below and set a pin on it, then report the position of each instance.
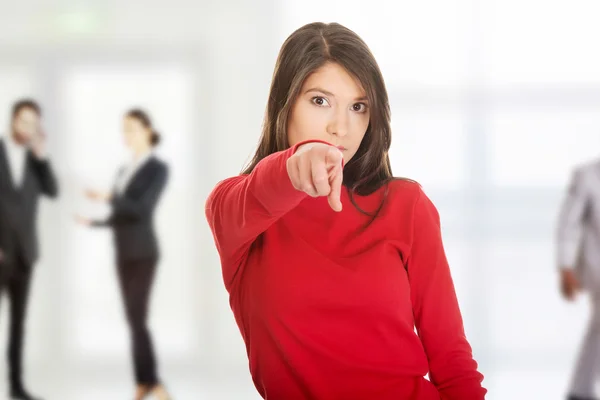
(15, 281)
(136, 278)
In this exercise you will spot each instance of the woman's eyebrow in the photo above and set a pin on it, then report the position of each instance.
(328, 93)
(318, 89)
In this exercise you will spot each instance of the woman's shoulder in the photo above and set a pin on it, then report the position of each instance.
(404, 190)
(159, 163)
(407, 201)
(408, 195)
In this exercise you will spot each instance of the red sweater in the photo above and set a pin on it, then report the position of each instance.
(328, 310)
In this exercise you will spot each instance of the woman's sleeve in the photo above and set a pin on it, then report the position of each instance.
(438, 320)
(239, 209)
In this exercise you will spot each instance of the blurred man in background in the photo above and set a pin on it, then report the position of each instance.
(25, 174)
(578, 248)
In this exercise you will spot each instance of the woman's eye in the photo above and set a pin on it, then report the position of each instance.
(359, 107)
(320, 101)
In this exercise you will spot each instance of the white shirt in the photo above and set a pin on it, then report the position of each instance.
(16, 155)
(129, 171)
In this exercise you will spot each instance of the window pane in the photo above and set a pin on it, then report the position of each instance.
(428, 146)
(540, 147)
(408, 51)
(528, 318)
(540, 42)
(522, 382)
(15, 83)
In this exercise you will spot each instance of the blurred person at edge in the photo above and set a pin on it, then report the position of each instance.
(330, 262)
(578, 253)
(136, 193)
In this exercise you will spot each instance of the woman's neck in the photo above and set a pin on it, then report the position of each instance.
(141, 152)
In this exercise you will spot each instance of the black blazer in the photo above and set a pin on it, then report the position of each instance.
(18, 206)
(133, 210)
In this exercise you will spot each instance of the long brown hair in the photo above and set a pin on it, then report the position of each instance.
(305, 51)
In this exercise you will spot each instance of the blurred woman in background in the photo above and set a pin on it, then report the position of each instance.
(134, 197)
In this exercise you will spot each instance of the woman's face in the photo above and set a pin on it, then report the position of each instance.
(332, 106)
(136, 135)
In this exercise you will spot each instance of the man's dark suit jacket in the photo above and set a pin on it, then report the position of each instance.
(19, 205)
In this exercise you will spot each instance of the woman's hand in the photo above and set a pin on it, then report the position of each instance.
(316, 169)
(83, 220)
(97, 195)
